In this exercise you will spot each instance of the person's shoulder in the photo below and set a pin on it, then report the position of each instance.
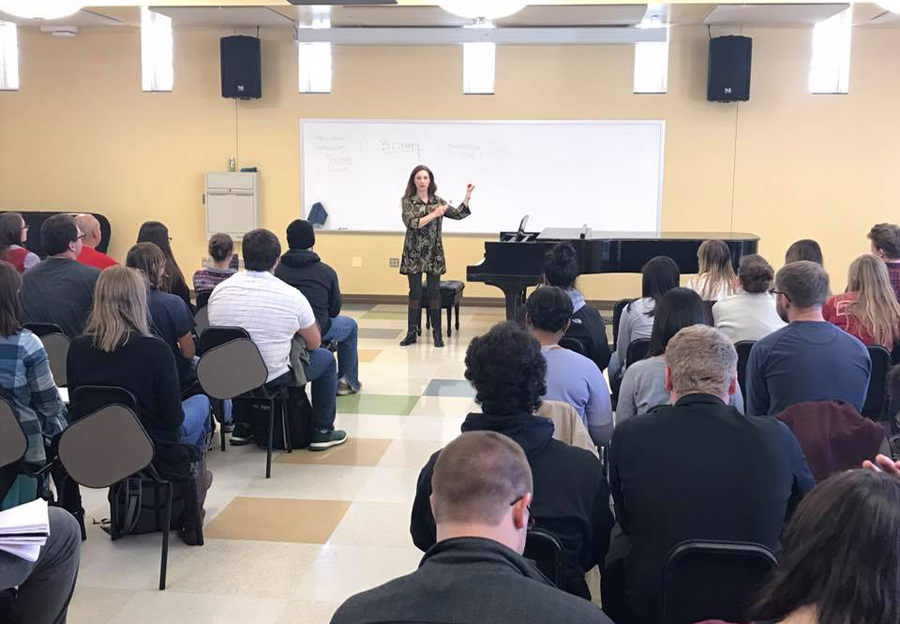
(28, 341)
(88, 271)
(644, 367)
(547, 603)
(379, 601)
(574, 455)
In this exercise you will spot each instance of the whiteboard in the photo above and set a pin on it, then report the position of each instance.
(606, 174)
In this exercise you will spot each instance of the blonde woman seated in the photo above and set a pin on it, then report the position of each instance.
(716, 278)
(868, 309)
(643, 386)
(749, 314)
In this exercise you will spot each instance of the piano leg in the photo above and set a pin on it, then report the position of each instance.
(514, 298)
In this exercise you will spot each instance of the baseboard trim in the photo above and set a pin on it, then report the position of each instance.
(482, 302)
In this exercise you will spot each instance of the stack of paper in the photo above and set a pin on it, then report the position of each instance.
(24, 529)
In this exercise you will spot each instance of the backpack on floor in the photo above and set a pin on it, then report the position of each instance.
(299, 421)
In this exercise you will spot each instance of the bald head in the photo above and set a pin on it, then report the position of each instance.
(90, 227)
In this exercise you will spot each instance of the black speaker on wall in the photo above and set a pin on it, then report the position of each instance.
(241, 67)
(729, 69)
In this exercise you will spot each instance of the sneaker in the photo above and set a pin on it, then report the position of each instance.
(323, 440)
(243, 434)
(344, 388)
(228, 427)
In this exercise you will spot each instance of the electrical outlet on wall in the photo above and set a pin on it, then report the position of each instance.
(394, 263)
(204, 262)
(357, 261)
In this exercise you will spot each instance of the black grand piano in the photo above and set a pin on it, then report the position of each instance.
(516, 261)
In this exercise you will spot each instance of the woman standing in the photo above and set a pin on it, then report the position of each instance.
(423, 250)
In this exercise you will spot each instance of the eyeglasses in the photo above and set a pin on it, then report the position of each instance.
(528, 507)
(80, 236)
(775, 293)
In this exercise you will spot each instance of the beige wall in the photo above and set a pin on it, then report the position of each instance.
(81, 135)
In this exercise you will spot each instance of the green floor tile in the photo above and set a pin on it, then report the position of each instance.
(394, 404)
(386, 315)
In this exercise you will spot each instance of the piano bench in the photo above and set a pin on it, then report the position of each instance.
(451, 293)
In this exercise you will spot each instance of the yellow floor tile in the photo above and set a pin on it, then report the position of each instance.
(353, 452)
(367, 355)
(278, 520)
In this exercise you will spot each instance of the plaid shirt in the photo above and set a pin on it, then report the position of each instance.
(894, 273)
(27, 383)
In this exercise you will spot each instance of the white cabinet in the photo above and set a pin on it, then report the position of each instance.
(232, 201)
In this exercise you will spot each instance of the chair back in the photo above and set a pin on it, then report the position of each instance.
(219, 335)
(548, 555)
(88, 399)
(56, 344)
(567, 425)
(874, 407)
(231, 369)
(743, 348)
(637, 351)
(201, 320)
(573, 344)
(107, 444)
(713, 580)
(13, 442)
(617, 316)
(203, 299)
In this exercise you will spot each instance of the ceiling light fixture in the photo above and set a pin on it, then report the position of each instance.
(41, 9)
(482, 9)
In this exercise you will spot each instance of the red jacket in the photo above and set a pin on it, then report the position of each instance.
(96, 259)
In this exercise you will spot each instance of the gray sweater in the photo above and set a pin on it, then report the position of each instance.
(643, 388)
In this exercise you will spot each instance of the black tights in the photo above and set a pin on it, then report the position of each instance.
(433, 289)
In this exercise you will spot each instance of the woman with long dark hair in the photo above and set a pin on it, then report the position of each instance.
(13, 234)
(423, 213)
(173, 279)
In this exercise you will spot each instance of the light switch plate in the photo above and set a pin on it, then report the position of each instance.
(357, 261)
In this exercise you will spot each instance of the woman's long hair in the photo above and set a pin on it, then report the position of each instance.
(10, 308)
(120, 308)
(678, 308)
(840, 554)
(658, 276)
(715, 265)
(411, 183)
(156, 232)
(10, 231)
(876, 306)
(149, 260)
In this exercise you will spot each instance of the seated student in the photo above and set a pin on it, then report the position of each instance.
(715, 280)
(810, 359)
(643, 386)
(475, 573)
(571, 497)
(804, 249)
(869, 308)
(13, 234)
(117, 349)
(587, 326)
(272, 313)
(45, 586)
(221, 251)
(571, 377)
(157, 233)
(26, 382)
(658, 276)
(697, 469)
(749, 314)
(60, 289)
(885, 239)
(90, 227)
(302, 268)
(840, 559)
(172, 320)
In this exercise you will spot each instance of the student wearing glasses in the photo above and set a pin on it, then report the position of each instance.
(60, 290)
(571, 498)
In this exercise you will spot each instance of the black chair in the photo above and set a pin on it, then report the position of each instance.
(617, 316)
(548, 555)
(203, 299)
(637, 351)
(231, 367)
(875, 405)
(56, 344)
(106, 444)
(573, 344)
(713, 580)
(743, 348)
(451, 294)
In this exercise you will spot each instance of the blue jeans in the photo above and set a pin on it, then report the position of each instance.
(322, 376)
(345, 332)
(195, 427)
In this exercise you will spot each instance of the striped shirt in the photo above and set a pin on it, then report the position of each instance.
(205, 280)
(270, 310)
(27, 383)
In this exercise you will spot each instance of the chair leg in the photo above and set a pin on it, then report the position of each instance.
(449, 320)
(457, 316)
(271, 436)
(114, 513)
(164, 557)
(285, 426)
(220, 404)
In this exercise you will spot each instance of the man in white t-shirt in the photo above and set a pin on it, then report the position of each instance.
(272, 312)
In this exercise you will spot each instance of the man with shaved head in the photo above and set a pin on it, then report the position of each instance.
(90, 227)
(475, 573)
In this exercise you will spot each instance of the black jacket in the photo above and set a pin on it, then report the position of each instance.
(305, 271)
(571, 498)
(700, 469)
(469, 580)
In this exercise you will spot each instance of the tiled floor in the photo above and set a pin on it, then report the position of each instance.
(291, 548)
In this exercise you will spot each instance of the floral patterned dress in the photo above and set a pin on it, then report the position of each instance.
(423, 250)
